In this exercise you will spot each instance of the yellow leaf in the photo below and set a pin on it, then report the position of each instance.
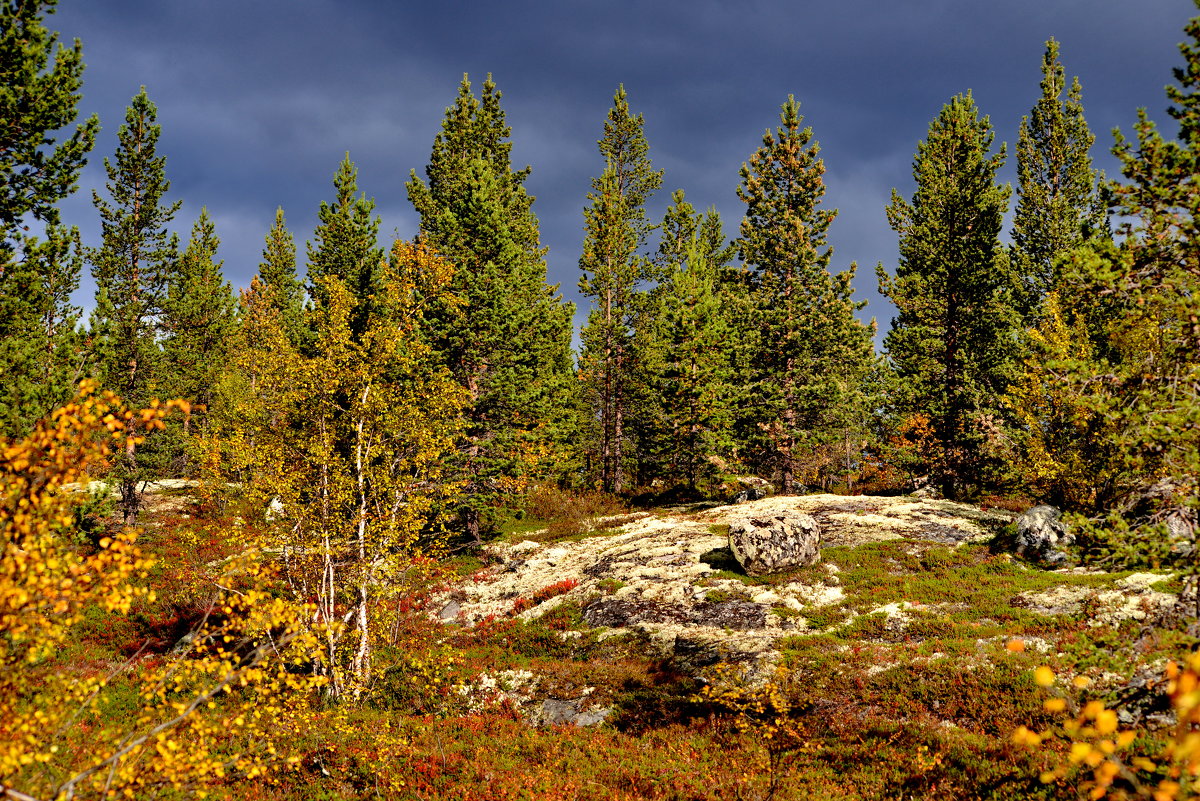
(1043, 676)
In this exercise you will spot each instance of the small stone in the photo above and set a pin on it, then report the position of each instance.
(449, 612)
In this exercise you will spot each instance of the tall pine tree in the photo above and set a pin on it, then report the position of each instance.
(810, 351)
(39, 95)
(506, 334)
(131, 269)
(613, 266)
(1058, 450)
(953, 340)
(1147, 388)
(1059, 205)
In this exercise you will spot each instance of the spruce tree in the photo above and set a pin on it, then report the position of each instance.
(953, 340)
(1059, 205)
(198, 320)
(131, 269)
(41, 348)
(613, 266)
(278, 272)
(685, 352)
(506, 334)
(347, 245)
(809, 349)
(39, 95)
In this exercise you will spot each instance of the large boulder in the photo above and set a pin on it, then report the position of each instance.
(773, 541)
(1042, 536)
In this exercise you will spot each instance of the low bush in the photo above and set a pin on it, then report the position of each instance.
(570, 512)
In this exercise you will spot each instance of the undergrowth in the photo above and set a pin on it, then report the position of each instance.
(868, 705)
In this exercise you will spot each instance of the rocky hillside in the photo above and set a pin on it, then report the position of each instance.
(903, 578)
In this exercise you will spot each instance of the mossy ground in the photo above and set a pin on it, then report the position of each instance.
(920, 705)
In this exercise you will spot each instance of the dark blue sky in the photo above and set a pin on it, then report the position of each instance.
(259, 99)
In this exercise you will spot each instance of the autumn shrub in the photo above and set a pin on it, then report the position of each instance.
(423, 683)
(569, 512)
(518, 636)
(911, 452)
(1109, 760)
(220, 708)
(769, 711)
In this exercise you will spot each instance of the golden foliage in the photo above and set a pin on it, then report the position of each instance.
(214, 711)
(1109, 757)
(44, 586)
(1063, 447)
(347, 442)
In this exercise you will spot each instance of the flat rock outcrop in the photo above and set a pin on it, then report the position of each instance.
(654, 576)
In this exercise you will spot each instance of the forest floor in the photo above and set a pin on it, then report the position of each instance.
(901, 666)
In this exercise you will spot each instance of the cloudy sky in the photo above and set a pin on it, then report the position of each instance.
(259, 99)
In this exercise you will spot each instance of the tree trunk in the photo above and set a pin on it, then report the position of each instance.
(131, 500)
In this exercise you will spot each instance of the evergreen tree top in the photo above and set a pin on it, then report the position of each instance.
(615, 219)
(473, 142)
(1059, 204)
(137, 175)
(278, 266)
(1157, 190)
(348, 230)
(474, 127)
(784, 229)
(40, 80)
(956, 192)
(203, 244)
(627, 153)
(683, 227)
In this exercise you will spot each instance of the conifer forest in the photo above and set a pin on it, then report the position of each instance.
(386, 523)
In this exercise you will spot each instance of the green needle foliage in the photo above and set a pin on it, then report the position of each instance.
(37, 98)
(132, 268)
(1058, 449)
(502, 331)
(686, 350)
(278, 271)
(953, 340)
(40, 349)
(810, 352)
(1059, 205)
(347, 246)
(613, 266)
(1149, 386)
(198, 321)
(42, 354)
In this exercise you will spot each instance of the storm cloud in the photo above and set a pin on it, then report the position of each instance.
(259, 100)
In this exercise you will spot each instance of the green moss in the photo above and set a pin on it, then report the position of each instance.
(720, 596)
(1171, 584)
(609, 585)
(822, 617)
(970, 577)
(864, 627)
